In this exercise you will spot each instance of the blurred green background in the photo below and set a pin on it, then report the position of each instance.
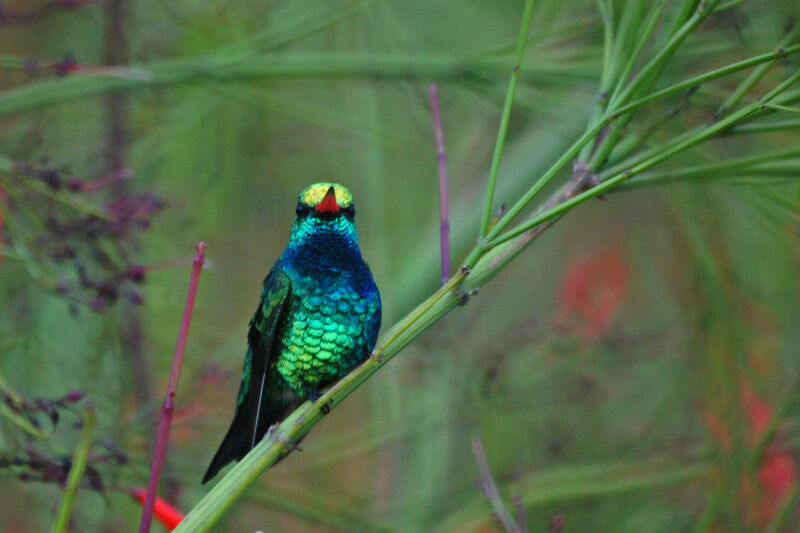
(620, 373)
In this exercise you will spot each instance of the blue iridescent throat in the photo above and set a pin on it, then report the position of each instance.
(324, 244)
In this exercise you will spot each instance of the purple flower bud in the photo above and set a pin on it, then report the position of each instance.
(136, 273)
(74, 395)
(135, 298)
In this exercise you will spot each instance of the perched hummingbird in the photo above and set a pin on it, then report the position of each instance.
(319, 317)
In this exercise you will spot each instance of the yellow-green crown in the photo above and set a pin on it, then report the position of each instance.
(314, 194)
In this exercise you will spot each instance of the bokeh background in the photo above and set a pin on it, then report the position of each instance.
(620, 373)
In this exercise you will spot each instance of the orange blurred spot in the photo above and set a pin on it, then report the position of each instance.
(165, 513)
(592, 291)
(758, 410)
(777, 471)
(776, 476)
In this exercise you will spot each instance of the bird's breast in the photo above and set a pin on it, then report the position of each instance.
(324, 333)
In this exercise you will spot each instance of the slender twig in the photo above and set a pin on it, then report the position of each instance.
(168, 408)
(522, 40)
(444, 210)
(733, 100)
(79, 460)
(489, 488)
(236, 68)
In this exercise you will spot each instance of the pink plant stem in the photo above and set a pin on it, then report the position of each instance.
(162, 437)
(444, 209)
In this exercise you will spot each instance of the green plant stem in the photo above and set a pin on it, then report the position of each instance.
(490, 490)
(575, 481)
(737, 167)
(762, 59)
(13, 397)
(606, 10)
(785, 125)
(592, 132)
(733, 100)
(645, 79)
(643, 39)
(310, 66)
(522, 40)
(787, 109)
(665, 153)
(299, 423)
(79, 460)
(523, 202)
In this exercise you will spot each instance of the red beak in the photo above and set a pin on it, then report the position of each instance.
(328, 203)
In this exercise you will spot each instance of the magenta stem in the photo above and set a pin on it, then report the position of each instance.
(162, 437)
(444, 209)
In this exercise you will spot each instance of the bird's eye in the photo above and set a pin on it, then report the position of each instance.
(349, 211)
(302, 210)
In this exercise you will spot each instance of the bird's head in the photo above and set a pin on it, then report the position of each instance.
(325, 218)
(325, 200)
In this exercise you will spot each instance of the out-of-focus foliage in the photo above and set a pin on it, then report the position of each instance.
(635, 370)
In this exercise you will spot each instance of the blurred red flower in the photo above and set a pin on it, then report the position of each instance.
(165, 513)
(592, 291)
(777, 470)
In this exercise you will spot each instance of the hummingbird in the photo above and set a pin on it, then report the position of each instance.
(319, 316)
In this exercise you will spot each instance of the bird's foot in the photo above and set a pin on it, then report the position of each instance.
(316, 395)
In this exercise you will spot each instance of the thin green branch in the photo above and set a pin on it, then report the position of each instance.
(605, 8)
(778, 107)
(645, 80)
(79, 460)
(522, 40)
(733, 100)
(489, 488)
(569, 482)
(656, 65)
(643, 39)
(523, 202)
(737, 167)
(15, 398)
(767, 58)
(287, 66)
(770, 127)
(665, 153)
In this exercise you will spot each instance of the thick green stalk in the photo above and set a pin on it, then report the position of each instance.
(299, 423)
(75, 473)
(506, 116)
(234, 68)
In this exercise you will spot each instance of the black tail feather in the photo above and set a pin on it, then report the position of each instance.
(238, 440)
